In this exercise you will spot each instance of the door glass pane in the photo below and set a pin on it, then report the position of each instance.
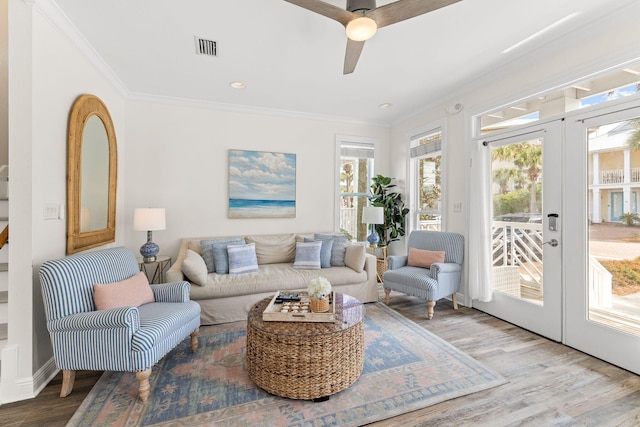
(516, 171)
(614, 232)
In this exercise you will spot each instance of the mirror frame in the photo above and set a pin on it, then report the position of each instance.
(83, 108)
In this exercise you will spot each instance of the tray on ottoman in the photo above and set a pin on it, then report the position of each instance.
(296, 311)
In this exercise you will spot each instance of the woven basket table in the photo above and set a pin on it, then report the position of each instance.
(302, 360)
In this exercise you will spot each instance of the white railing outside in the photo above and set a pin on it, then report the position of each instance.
(519, 244)
(348, 220)
(600, 280)
(430, 225)
(635, 174)
(612, 176)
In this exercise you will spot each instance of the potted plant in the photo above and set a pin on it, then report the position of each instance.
(395, 212)
(319, 290)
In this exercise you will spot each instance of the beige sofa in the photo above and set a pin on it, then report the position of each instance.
(229, 297)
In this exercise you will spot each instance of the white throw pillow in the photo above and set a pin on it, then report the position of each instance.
(194, 267)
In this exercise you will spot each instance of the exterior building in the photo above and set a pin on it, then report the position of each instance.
(614, 173)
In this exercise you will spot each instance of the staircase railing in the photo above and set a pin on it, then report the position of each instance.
(4, 236)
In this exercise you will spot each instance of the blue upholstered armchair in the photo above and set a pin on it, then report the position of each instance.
(440, 280)
(130, 339)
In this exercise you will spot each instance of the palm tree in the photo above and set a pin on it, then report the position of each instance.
(527, 158)
(504, 176)
(634, 139)
(347, 177)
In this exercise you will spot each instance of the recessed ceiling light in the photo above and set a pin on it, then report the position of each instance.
(385, 105)
(237, 85)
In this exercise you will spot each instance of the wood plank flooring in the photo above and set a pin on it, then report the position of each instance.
(549, 384)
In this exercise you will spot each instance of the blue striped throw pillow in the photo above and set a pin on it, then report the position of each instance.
(308, 255)
(242, 258)
(214, 253)
(325, 251)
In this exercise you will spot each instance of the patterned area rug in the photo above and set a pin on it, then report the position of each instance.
(406, 368)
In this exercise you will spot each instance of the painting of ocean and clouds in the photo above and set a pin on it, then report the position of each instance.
(262, 184)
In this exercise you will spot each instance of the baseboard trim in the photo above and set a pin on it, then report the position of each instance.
(44, 375)
(14, 389)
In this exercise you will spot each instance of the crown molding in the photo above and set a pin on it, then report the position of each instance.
(236, 108)
(52, 12)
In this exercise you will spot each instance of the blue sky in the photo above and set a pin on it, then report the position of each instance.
(261, 175)
(603, 97)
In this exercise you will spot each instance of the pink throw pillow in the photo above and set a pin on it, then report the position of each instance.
(130, 292)
(424, 258)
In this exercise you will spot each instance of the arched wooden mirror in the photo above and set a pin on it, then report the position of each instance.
(92, 168)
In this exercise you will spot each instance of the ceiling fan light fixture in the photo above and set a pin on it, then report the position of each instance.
(361, 29)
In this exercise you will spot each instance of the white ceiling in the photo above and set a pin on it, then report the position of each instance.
(291, 59)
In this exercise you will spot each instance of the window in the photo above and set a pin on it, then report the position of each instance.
(608, 86)
(356, 171)
(426, 181)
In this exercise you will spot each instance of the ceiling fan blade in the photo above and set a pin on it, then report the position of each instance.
(326, 9)
(352, 55)
(405, 9)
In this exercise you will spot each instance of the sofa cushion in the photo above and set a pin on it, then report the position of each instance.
(307, 255)
(194, 267)
(355, 257)
(325, 251)
(214, 253)
(242, 258)
(131, 292)
(274, 248)
(271, 278)
(424, 258)
(340, 242)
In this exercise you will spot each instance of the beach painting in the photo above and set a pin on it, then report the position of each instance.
(262, 184)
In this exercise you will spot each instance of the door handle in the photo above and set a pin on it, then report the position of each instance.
(553, 243)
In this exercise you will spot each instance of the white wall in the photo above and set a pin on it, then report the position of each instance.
(46, 74)
(177, 158)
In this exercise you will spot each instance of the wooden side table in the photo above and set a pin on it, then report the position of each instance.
(381, 253)
(155, 270)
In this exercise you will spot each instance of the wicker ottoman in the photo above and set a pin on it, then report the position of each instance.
(302, 360)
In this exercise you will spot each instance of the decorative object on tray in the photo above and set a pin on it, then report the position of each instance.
(286, 306)
(319, 290)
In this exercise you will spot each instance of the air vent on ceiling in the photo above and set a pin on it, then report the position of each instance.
(206, 47)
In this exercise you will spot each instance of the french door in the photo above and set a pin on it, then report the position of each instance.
(525, 170)
(602, 310)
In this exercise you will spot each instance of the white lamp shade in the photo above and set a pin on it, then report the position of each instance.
(373, 215)
(361, 29)
(149, 219)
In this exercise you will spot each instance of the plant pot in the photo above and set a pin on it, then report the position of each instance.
(319, 305)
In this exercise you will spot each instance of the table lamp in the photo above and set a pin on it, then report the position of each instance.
(373, 215)
(149, 219)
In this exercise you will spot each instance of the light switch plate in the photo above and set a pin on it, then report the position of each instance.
(51, 211)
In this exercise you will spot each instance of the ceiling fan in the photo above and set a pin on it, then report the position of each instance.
(362, 18)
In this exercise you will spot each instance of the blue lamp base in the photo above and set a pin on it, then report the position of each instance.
(373, 238)
(149, 250)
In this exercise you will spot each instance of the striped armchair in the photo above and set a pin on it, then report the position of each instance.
(440, 280)
(130, 339)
